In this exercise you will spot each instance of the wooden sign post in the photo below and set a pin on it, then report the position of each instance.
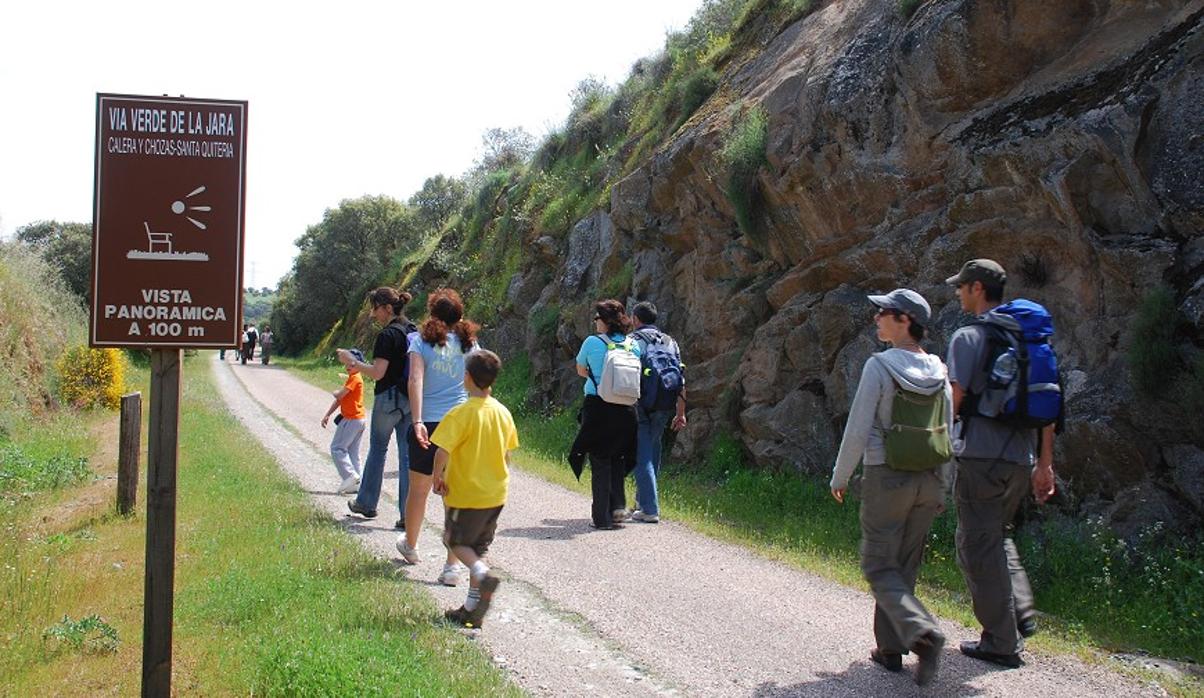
(161, 521)
(128, 449)
(167, 245)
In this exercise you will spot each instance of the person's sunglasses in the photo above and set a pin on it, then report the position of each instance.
(887, 311)
(597, 317)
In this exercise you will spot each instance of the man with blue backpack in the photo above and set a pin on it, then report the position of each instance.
(1007, 399)
(662, 397)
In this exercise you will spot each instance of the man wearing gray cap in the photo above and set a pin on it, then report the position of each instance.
(898, 427)
(994, 471)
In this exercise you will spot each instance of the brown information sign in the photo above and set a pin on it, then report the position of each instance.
(167, 238)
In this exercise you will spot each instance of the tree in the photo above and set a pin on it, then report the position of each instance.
(340, 259)
(505, 148)
(67, 247)
(438, 199)
(588, 93)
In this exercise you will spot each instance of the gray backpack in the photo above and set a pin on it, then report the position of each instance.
(621, 369)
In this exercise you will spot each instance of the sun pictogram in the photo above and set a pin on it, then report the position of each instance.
(179, 207)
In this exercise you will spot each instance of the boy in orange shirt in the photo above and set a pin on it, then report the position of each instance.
(471, 472)
(345, 446)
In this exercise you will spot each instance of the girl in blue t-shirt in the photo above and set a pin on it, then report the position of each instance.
(436, 355)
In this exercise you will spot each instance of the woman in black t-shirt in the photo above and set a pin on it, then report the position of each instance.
(390, 405)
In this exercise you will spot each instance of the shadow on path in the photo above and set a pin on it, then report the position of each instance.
(552, 529)
(863, 678)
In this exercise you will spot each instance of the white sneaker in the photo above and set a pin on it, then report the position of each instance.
(350, 485)
(640, 516)
(450, 576)
(619, 515)
(410, 555)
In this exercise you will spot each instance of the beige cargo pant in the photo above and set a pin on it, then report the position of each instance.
(897, 509)
(988, 495)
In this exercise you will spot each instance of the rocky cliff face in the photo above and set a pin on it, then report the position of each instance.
(1064, 139)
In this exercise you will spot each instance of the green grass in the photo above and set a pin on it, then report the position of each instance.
(90, 633)
(618, 285)
(271, 596)
(1152, 354)
(545, 320)
(694, 90)
(743, 155)
(46, 458)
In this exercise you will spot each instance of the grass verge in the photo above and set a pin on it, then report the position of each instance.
(271, 597)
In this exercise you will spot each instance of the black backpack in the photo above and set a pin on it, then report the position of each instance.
(408, 328)
(662, 378)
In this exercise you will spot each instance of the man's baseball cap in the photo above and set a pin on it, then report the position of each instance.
(907, 302)
(987, 271)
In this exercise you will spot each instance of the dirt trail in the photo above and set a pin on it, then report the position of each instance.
(647, 610)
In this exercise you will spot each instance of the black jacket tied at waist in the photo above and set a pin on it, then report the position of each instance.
(607, 431)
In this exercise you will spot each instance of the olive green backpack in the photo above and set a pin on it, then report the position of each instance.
(918, 437)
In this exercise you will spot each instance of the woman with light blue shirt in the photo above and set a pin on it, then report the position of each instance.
(436, 385)
(608, 430)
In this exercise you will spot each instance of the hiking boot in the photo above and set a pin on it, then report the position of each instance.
(450, 576)
(1011, 661)
(928, 650)
(400, 525)
(1027, 627)
(357, 509)
(409, 554)
(641, 517)
(606, 527)
(891, 661)
(619, 515)
(350, 485)
(458, 616)
(488, 586)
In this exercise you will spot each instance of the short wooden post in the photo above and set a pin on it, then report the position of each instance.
(127, 454)
(162, 441)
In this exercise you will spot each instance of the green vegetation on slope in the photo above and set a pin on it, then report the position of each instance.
(472, 232)
(40, 317)
(67, 248)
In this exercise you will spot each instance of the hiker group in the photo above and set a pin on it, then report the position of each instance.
(433, 391)
(992, 414)
(981, 426)
(247, 342)
(634, 387)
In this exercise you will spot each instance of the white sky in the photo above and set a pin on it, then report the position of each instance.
(369, 98)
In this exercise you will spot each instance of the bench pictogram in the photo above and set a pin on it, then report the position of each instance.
(159, 243)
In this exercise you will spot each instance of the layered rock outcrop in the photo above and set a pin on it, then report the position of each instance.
(1064, 139)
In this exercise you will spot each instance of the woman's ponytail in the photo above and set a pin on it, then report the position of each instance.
(445, 314)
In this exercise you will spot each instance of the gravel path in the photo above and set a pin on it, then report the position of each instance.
(646, 610)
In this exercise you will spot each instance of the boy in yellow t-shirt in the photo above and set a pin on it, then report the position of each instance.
(474, 440)
(345, 446)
